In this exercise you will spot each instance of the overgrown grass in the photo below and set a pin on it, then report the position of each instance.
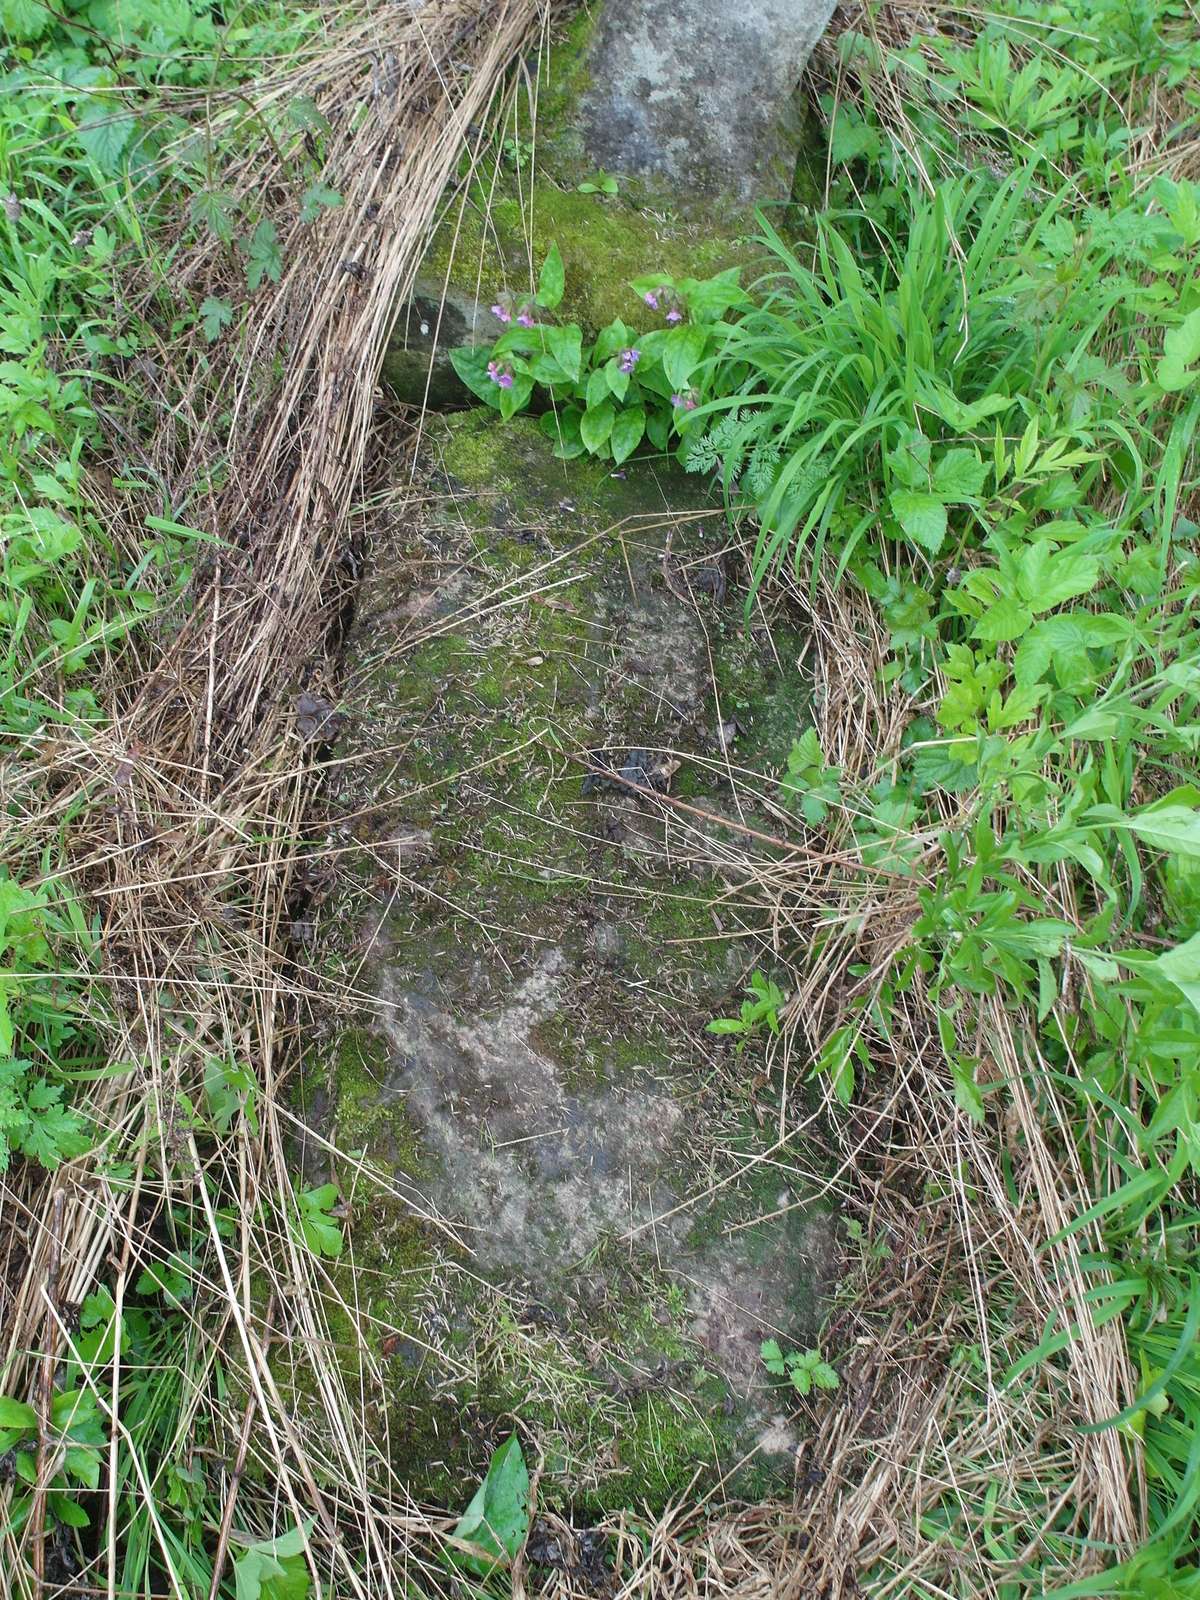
(969, 395)
(176, 263)
(99, 142)
(975, 398)
(974, 402)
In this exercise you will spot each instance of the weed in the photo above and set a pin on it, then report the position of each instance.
(623, 388)
(805, 1370)
(764, 999)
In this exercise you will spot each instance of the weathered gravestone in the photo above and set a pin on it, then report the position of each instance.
(700, 95)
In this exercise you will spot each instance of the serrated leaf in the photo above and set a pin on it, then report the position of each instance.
(104, 131)
(1002, 622)
(318, 197)
(215, 315)
(264, 258)
(24, 20)
(959, 475)
(1181, 349)
(922, 516)
(213, 211)
(908, 461)
(1046, 577)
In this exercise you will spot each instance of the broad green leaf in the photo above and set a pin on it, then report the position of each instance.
(518, 397)
(959, 475)
(966, 1091)
(496, 1522)
(682, 350)
(1006, 620)
(725, 1025)
(616, 336)
(565, 345)
(104, 131)
(1181, 350)
(922, 516)
(16, 1414)
(274, 1569)
(852, 138)
(1175, 829)
(710, 298)
(1181, 967)
(551, 279)
(67, 1511)
(597, 387)
(596, 425)
(84, 1467)
(471, 364)
(617, 380)
(628, 427)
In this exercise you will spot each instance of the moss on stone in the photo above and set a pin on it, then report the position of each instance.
(504, 235)
(490, 713)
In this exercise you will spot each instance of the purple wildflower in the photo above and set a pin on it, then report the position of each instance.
(501, 375)
(501, 311)
(526, 318)
(629, 359)
(651, 299)
(674, 315)
(685, 402)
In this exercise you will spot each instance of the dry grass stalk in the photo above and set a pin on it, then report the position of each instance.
(203, 777)
(207, 781)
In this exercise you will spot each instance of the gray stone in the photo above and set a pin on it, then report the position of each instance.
(541, 963)
(699, 94)
(432, 323)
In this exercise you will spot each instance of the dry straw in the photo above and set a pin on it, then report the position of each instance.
(197, 804)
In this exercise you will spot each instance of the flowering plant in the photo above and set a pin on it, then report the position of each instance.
(606, 396)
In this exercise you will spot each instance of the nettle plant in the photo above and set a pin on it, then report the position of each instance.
(608, 396)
